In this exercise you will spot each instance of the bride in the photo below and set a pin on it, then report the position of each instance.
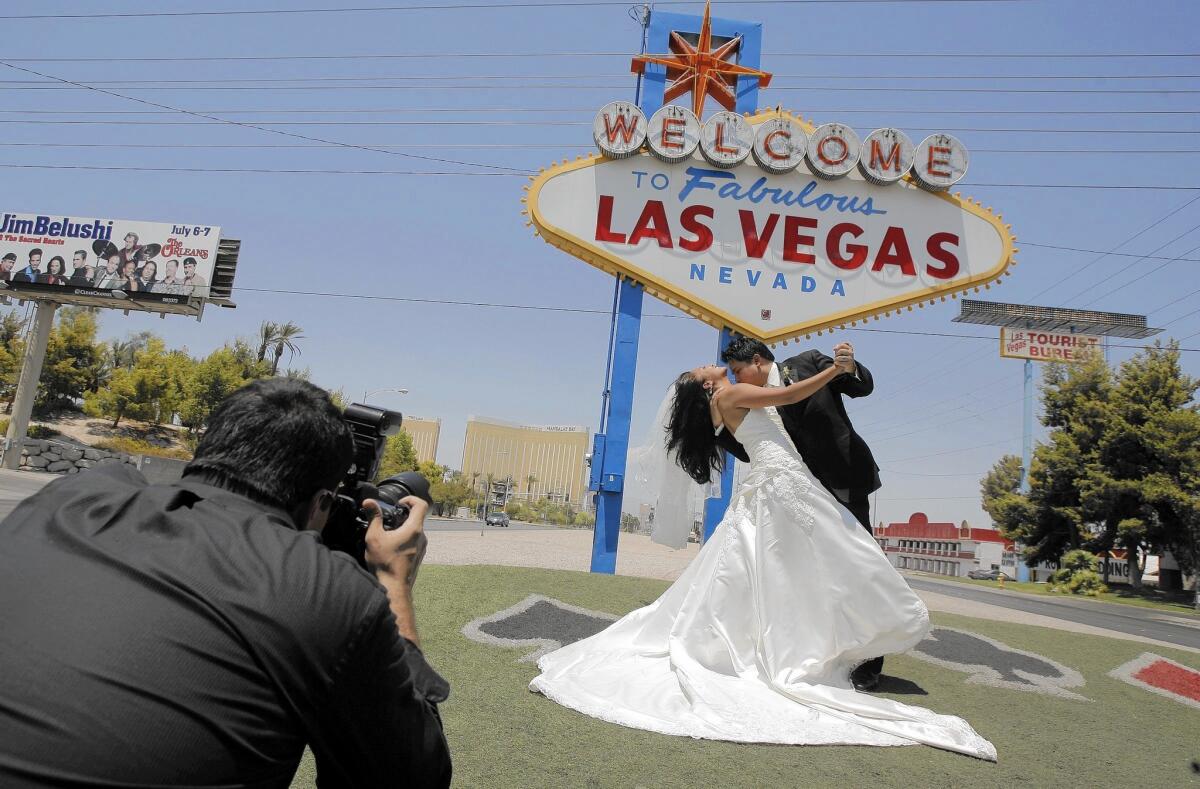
(756, 641)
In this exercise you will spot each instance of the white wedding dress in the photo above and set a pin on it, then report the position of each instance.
(756, 640)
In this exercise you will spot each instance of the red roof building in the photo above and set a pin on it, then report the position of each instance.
(941, 548)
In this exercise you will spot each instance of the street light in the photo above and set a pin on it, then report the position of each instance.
(367, 395)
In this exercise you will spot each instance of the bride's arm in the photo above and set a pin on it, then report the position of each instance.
(751, 396)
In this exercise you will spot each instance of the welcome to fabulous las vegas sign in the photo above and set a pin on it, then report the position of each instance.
(767, 224)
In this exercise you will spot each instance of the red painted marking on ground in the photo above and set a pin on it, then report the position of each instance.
(1176, 679)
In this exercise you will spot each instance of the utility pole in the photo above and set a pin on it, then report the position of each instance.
(27, 386)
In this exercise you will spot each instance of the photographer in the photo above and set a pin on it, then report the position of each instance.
(200, 634)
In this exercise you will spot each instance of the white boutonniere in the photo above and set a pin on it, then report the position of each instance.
(787, 373)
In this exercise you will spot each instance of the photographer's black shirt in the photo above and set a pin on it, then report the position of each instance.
(182, 635)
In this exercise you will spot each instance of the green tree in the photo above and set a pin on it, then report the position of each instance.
(141, 392)
(71, 352)
(1121, 467)
(1051, 519)
(266, 338)
(1145, 472)
(249, 366)
(212, 380)
(398, 455)
(12, 350)
(285, 340)
(450, 494)
(431, 471)
(1003, 480)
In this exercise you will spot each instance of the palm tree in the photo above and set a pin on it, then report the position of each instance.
(266, 336)
(529, 483)
(285, 336)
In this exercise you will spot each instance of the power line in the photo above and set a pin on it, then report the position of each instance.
(1140, 275)
(1112, 251)
(515, 174)
(459, 7)
(577, 88)
(267, 126)
(572, 111)
(920, 474)
(567, 146)
(250, 125)
(1151, 256)
(991, 78)
(621, 54)
(952, 451)
(581, 310)
(1126, 254)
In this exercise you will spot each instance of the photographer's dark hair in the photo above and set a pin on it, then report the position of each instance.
(742, 349)
(275, 440)
(690, 431)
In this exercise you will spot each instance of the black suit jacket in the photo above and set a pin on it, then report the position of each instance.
(820, 428)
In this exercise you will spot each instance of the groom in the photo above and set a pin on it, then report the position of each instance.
(821, 430)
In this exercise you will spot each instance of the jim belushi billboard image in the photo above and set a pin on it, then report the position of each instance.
(84, 255)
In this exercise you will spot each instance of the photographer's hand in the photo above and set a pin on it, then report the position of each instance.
(395, 556)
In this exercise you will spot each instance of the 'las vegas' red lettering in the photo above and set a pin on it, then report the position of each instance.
(690, 219)
(652, 224)
(756, 243)
(604, 222)
(793, 240)
(855, 254)
(935, 246)
(894, 252)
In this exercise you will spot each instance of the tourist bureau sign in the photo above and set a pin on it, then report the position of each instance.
(767, 224)
(1046, 346)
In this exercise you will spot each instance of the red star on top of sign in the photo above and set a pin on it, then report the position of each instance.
(700, 69)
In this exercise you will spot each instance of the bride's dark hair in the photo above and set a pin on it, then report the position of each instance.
(690, 431)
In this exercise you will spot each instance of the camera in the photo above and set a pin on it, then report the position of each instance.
(346, 528)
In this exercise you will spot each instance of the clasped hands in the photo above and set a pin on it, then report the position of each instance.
(843, 357)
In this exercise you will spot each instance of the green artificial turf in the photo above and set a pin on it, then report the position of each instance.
(502, 735)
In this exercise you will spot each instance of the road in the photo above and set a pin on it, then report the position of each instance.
(15, 486)
(453, 524)
(1145, 622)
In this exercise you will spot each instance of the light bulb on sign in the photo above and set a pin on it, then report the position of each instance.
(726, 140)
(673, 133)
(619, 129)
(832, 150)
(886, 156)
(779, 145)
(940, 162)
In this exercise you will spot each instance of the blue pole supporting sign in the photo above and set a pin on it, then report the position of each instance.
(715, 506)
(610, 447)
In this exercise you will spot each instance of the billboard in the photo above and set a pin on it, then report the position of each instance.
(743, 228)
(1046, 346)
(48, 255)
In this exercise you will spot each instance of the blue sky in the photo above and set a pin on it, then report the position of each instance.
(944, 408)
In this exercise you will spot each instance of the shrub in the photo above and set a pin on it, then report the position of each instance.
(34, 431)
(585, 519)
(1078, 575)
(132, 446)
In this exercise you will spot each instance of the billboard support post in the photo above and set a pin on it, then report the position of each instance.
(1027, 434)
(27, 385)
